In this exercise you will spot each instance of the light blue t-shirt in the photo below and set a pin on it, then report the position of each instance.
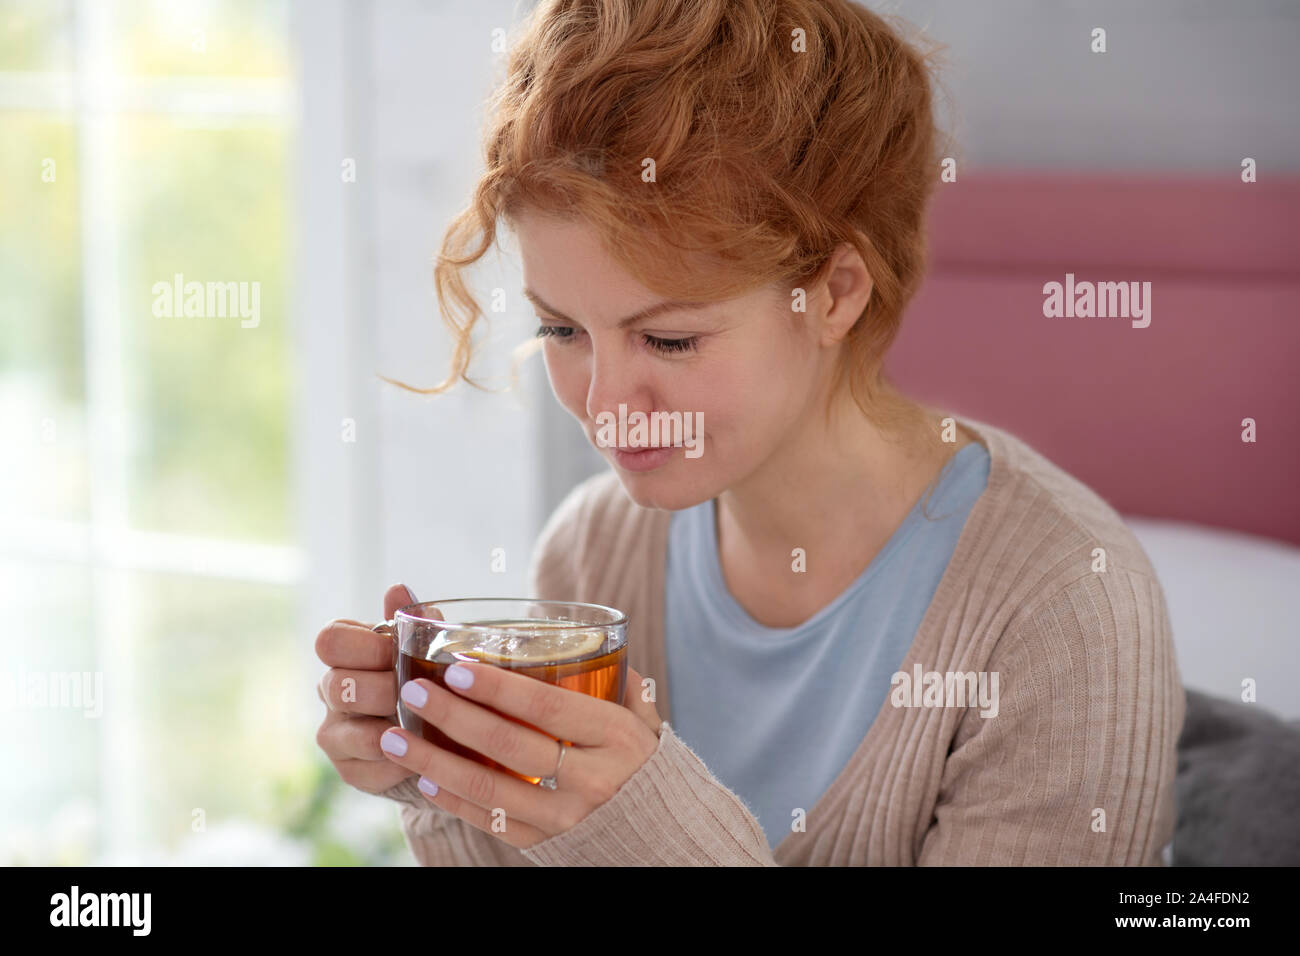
(776, 713)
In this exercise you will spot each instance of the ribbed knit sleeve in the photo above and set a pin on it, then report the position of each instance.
(671, 812)
(1076, 767)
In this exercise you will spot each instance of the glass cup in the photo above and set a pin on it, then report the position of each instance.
(582, 647)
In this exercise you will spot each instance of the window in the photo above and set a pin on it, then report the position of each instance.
(146, 526)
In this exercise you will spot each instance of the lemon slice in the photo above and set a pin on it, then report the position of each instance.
(528, 642)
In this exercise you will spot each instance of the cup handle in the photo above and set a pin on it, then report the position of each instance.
(389, 628)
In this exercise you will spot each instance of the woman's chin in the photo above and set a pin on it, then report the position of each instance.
(658, 490)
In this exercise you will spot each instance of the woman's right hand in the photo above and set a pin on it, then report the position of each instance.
(357, 713)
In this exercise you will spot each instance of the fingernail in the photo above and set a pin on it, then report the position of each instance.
(414, 694)
(459, 677)
(393, 743)
(411, 597)
(428, 786)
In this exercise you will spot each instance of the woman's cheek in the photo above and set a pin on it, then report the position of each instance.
(567, 384)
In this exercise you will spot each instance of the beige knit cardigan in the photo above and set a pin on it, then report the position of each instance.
(1076, 768)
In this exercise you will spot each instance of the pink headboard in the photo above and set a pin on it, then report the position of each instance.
(1150, 418)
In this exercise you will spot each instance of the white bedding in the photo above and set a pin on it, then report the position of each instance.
(1232, 603)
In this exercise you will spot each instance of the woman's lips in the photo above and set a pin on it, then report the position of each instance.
(645, 459)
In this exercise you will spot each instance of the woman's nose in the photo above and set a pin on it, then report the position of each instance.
(615, 381)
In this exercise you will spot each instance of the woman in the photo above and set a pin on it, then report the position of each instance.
(864, 631)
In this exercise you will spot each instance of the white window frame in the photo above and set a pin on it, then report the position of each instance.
(92, 97)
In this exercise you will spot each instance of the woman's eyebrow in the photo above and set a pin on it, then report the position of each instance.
(643, 314)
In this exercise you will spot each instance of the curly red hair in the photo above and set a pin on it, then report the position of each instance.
(778, 130)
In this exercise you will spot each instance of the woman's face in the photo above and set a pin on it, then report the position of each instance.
(744, 369)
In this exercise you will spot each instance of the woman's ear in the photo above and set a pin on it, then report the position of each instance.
(848, 287)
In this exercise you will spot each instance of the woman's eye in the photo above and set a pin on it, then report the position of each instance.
(560, 332)
(673, 345)
(566, 333)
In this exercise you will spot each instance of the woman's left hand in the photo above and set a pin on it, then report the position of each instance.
(610, 743)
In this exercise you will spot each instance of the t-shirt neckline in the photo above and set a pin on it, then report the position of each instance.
(735, 616)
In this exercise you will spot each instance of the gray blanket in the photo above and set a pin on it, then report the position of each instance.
(1238, 786)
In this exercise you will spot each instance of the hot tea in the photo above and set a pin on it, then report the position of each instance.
(587, 660)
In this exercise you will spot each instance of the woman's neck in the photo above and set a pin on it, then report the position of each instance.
(837, 489)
